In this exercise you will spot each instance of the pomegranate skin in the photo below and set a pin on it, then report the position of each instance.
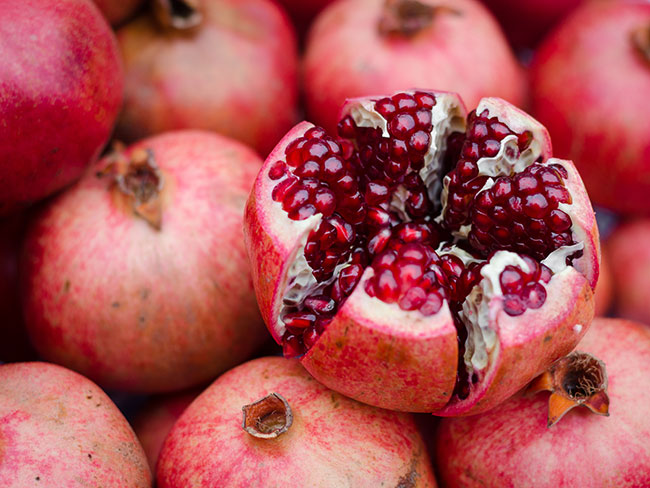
(59, 429)
(156, 420)
(236, 73)
(346, 57)
(141, 309)
(511, 446)
(604, 294)
(589, 87)
(117, 11)
(332, 442)
(61, 88)
(628, 250)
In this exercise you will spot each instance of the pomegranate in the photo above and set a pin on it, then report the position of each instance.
(302, 13)
(526, 22)
(14, 342)
(61, 88)
(410, 291)
(512, 445)
(359, 47)
(58, 429)
(578, 78)
(117, 11)
(223, 65)
(155, 421)
(138, 277)
(628, 250)
(604, 293)
(294, 432)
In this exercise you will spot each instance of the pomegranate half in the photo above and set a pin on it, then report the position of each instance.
(512, 445)
(427, 260)
(360, 47)
(137, 277)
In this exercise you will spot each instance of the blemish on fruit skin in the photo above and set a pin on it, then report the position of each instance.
(409, 480)
(115, 304)
(547, 338)
(66, 286)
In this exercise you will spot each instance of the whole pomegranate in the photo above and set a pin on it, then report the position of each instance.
(512, 445)
(295, 432)
(223, 65)
(60, 91)
(360, 47)
(525, 22)
(631, 241)
(14, 342)
(413, 263)
(59, 429)
(138, 277)
(590, 81)
(156, 419)
(117, 11)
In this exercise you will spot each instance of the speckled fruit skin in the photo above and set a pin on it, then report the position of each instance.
(525, 22)
(333, 442)
(58, 429)
(156, 420)
(628, 250)
(133, 308)
(589, 87)
(604, 294)
(511, 446)
(14, 342)
(345, 57)
(117, 11)
(60, 90)
(236, 73)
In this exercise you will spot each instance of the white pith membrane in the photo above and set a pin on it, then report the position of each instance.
(476, 314)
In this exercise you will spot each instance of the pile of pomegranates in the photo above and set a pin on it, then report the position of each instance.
(424, 259)
(197, 290)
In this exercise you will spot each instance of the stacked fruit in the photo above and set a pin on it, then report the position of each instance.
(421, 245)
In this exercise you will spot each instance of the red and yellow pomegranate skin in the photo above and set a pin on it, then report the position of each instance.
(604, 294)
(405, 358)
(332, 442)
(628, 251)
(141, 309)
(60, 91)
(589, 85)
(462, 50)
(156, 420)
(60, 429)
(117, 11)
(512, 445)
(235, 73)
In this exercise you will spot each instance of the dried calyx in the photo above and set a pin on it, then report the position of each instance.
(641, 41)
(575, 380)
(177, 14)
(140, 181)
(406, 18)
(267, 418)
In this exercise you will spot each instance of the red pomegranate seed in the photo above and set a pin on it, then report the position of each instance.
(425, 100)
(401, 125)
(277, 171)
(511, 280)
(299, 320)
(534, 295)
(292, 346)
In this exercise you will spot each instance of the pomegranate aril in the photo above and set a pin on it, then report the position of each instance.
(424, 100)
(277, 171)
(310, 337)
(281, 189)
(534, 295)
(303, 212)
(332, 168)
(309, 169)
(315, 133)
(502, 189)
(513, 305)
(346, 127)
(526, 184)
(386, 286)
(423, 118)
(385, 107)
(297, 197)
(376, 193)
(413, 299)
(419, 141)
(401, 125)
(315, 149)
(490, 148)
(431, 305)
(511, 280)
(536, 206)
(349, 277)
(325, 201)
(558, 194)
(299, 320)
(320, 304)
(404, 102)
(292, 346)
(499, 130)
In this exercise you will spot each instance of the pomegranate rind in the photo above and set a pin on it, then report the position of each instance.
(528, 344)
(272, 239)
(381, 355)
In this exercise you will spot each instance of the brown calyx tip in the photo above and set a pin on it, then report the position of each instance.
(408, 17)
(641, 41)
(574, 380)
(267, 418)
(178, 14)
(140, 180)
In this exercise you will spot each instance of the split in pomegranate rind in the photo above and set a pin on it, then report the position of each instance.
(358, 271)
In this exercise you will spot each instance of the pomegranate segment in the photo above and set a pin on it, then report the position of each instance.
(420, 225)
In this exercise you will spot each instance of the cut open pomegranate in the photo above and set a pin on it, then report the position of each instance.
(423, 259)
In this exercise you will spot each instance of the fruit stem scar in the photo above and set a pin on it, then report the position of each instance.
(268, 417)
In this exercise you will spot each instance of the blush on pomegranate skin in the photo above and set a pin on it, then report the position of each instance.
(60, 91)
(512, 445)
(230, 66)
(423, 239)
(267, 422)
(589, 84)
(117, 11)
(357, 48)
(59, 429)
(138, 276)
